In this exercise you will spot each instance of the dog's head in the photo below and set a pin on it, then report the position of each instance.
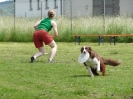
(87, 49)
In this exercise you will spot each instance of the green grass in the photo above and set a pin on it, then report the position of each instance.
(65, 79)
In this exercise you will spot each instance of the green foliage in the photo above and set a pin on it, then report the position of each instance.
(22, 29)
(66, 78)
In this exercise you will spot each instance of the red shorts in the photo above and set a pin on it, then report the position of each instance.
(41, 36)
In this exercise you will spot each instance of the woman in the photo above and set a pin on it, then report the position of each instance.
(41, 35)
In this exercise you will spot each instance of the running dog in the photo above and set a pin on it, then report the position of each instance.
(96, 63)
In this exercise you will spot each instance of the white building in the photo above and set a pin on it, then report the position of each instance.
(35, 8)
(126, 7)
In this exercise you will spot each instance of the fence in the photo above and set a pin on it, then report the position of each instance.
(84, 16)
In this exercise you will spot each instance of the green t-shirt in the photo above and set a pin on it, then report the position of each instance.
(45, 24)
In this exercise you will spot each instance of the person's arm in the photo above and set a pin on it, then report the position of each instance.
(36, 24)
(55, 29)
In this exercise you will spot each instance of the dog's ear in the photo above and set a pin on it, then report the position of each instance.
(92, 54)
(88, 49)
(81, 49)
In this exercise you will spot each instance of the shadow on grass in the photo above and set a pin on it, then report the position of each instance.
(80, 76)
(90, 76)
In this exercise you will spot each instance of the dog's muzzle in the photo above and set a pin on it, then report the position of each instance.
(84, 52)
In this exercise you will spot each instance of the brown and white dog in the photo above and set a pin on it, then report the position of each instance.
(96, 63)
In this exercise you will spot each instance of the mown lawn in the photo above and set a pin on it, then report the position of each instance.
(65, 79)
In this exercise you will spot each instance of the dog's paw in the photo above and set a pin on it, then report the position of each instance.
(92, 75)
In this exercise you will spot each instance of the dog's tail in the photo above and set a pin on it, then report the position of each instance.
(111, 62)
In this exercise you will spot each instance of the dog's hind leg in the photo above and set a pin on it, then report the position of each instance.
(89, 69)
(103, 69)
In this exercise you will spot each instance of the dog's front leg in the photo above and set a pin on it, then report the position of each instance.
(89, 69)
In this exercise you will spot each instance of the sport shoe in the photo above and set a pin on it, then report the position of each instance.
(32, 59)
(50, 61)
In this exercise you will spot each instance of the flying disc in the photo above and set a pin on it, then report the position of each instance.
(83, 57)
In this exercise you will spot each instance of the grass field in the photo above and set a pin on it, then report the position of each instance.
(65, 79)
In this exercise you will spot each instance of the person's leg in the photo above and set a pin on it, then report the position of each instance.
(38, 54)
(53, 50)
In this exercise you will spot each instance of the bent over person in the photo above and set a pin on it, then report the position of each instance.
(41, 35)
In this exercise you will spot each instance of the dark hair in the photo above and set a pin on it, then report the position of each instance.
(51, 13)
